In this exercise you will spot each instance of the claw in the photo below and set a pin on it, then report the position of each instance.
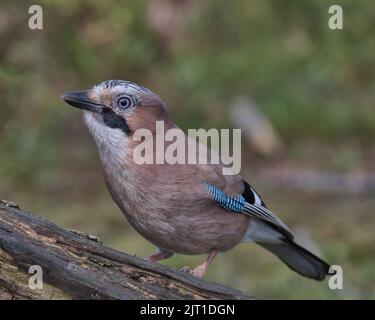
(198, 272)
(186, 269)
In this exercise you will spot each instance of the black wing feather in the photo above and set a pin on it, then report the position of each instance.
(260, 211)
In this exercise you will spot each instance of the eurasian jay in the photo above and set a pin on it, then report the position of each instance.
(180, 208)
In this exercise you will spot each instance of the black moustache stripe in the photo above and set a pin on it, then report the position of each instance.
(114, 121)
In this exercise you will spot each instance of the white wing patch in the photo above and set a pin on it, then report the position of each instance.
(258, 200)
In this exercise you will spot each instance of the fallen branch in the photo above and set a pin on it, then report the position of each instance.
(77, 266)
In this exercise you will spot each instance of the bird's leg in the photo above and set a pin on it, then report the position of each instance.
(160, 255)
(200, 270)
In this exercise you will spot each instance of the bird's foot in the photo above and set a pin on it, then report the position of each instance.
(198, 272)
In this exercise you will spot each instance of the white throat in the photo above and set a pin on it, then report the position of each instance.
(112, 143)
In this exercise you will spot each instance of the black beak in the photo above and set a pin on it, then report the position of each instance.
(82, 101)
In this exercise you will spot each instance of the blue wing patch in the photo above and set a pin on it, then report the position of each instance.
(240, 205)
(235, 204)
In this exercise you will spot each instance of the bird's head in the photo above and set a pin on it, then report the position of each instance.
(118, 106)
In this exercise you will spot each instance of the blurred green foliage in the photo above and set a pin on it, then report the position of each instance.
(313, 83)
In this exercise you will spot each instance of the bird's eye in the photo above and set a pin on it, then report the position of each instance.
(125, 102)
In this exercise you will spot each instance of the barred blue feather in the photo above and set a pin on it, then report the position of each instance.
(235, 204)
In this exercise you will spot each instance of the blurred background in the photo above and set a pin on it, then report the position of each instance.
(273, 65)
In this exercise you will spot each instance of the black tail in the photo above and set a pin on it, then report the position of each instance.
(299, 259)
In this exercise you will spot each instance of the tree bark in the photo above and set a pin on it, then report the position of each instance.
(78, 266)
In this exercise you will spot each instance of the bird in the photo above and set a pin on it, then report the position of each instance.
(180, 208)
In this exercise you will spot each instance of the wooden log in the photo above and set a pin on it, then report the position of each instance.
(77, 266)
